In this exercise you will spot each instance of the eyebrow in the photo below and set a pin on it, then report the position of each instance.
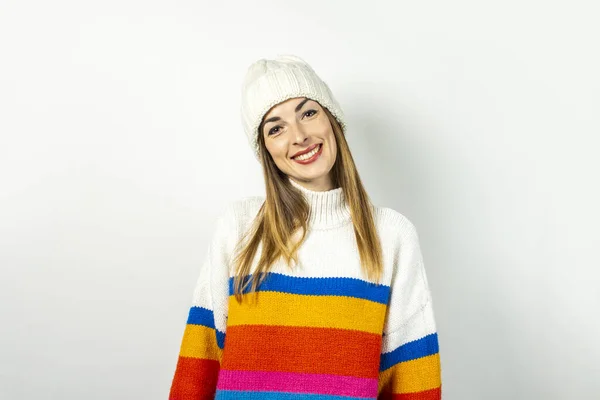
(298, 107)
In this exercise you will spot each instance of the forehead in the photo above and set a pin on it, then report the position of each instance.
(287, 106)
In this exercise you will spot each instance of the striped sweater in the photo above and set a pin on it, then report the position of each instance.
(318, 331)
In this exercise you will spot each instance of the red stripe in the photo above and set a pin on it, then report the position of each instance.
(302, 349)
(432, 394)
(195, 379)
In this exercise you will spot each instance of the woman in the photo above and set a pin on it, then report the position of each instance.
(310, 292)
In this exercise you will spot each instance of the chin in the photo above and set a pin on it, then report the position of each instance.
(312, 175)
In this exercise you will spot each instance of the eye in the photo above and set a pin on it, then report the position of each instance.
(272, 131)
(310, 111)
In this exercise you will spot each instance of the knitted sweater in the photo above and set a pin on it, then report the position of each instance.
(318, 331)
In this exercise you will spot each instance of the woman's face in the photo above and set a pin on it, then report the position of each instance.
(295, 126)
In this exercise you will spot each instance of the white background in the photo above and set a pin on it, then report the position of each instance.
(120, 141)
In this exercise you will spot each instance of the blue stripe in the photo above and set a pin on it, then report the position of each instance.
(351, 287)
(243, 395)
(201, 316)
(205, 317)
(423, 347)
(220, 339)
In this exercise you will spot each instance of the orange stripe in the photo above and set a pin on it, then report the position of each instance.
(195, 379)
(302, 349)
(432, 394)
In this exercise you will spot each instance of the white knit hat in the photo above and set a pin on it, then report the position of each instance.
(269, 82)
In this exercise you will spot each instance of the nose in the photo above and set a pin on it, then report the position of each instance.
(299, 134)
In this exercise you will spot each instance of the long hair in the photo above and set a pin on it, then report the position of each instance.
(284, 214)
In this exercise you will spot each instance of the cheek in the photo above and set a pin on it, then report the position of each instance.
(323, 127)
(329, 136)
(277, 149)
(326, 132)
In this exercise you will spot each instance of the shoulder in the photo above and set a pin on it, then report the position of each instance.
(394, 225)
(239, 213)
(248, 204)
(400, 241)
(233, 219)
(246, 208)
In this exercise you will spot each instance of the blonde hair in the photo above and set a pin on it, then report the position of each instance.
(285, 211)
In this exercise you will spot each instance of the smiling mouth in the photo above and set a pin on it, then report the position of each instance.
(308, 155)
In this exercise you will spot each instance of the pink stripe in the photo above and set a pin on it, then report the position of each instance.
(297, 383)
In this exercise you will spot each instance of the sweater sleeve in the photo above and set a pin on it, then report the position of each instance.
(410, 363)
(199, 360)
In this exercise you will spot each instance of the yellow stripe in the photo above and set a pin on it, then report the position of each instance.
(200, 342)
(287, 309)
(412, 376)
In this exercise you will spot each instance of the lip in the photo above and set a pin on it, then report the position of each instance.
(311, 148)
(312, 159)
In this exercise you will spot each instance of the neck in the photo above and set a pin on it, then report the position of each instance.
(328, 208)
(321, 184)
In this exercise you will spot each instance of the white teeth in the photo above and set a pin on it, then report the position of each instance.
(308, 155)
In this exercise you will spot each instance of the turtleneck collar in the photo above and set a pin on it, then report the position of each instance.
(328, 209)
